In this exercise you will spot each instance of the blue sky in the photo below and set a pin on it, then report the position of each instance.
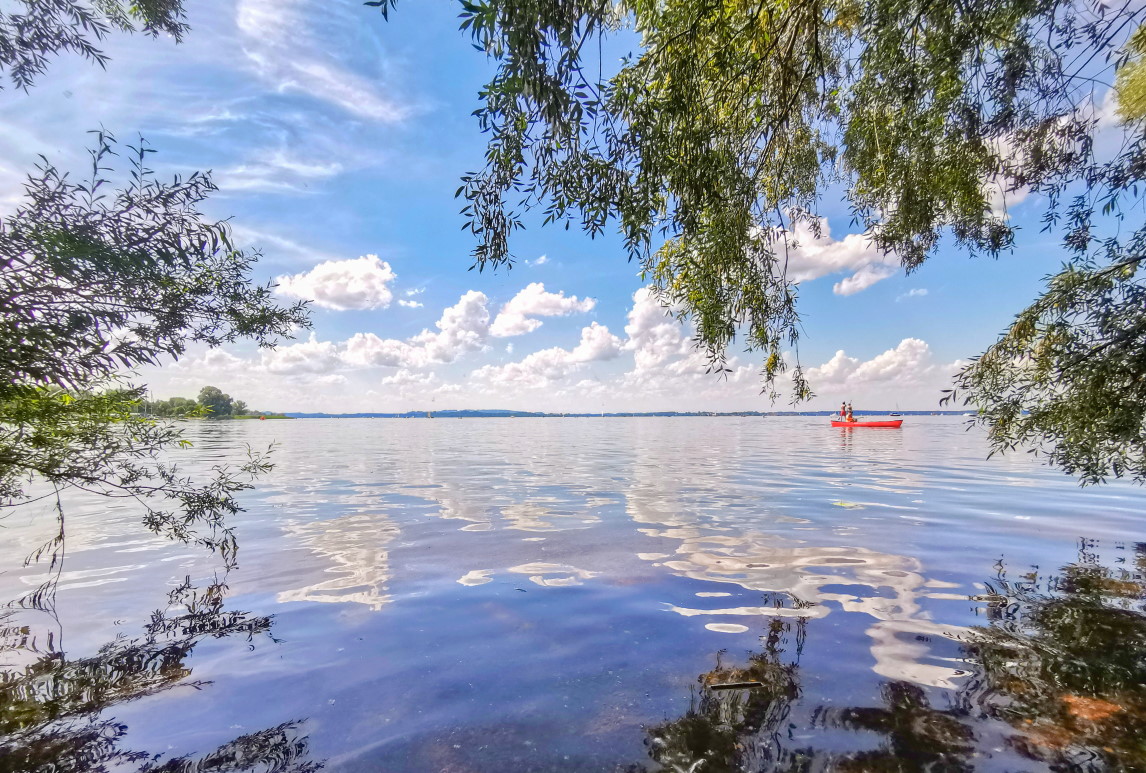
(337, 140)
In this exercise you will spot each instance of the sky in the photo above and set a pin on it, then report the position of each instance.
(337, 139)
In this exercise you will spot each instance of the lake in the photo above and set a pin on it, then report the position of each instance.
(612, 594)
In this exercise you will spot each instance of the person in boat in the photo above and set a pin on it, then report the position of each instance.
(843, 410)
(850, 416)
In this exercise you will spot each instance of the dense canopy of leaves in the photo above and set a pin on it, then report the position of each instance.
(95, 282)
(1069, 377)
(1131, 80)
(215, 400)
(733, 119)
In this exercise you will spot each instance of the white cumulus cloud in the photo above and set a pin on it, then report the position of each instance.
(517, 316)
(409, 378)
(597, 343)
(463, 327)
(360, 283)
(368, 350)
(653, 366)
(548, 365)
(311, 356)
(909, 363)
(654, 336)
(862, 279)
(810, 257)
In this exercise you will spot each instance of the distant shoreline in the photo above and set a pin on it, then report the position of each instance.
(502, 414)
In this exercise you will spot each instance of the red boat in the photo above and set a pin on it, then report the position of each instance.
(892, 424)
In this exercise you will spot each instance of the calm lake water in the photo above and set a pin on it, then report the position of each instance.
(578, 594)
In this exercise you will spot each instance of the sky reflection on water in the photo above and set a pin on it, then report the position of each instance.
(572, 595)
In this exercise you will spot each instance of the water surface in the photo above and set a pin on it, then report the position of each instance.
(578, 594)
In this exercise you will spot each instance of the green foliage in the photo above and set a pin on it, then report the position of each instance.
(97, 443)
(112, 279)
(734, 118)
(1067, 379)
(40, 29)
(94, 281)
(215, 402)
(1131, 82)
(175, 407)
(212, 403)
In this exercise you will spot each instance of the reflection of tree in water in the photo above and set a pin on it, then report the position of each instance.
(1063, 662)
(738, 728)
(51, 710)
(1060, 669)
(751, 728)
(916, 735)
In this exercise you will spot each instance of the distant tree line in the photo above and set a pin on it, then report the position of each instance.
(212, 403)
